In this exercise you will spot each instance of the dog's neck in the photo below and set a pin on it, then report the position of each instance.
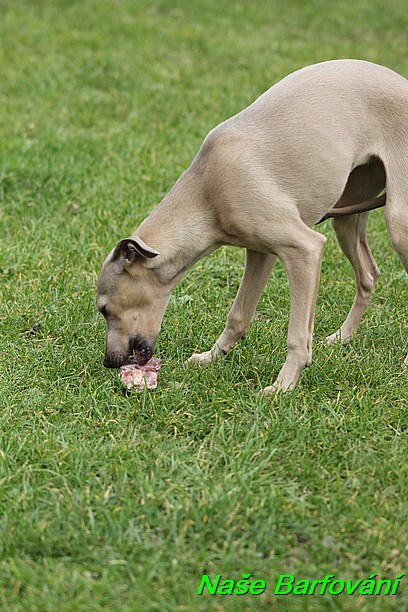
(180, 228)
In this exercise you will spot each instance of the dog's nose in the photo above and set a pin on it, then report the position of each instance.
(110, 362)
(107, 363)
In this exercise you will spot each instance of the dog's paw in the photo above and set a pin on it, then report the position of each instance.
(201, 359)
(339, 336)
(333, 338)
(280, 386)
(271, 390)
(277, 387)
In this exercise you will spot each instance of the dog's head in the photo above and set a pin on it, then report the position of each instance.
(133, 300)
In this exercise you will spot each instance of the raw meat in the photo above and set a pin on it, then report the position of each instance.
(139, 377)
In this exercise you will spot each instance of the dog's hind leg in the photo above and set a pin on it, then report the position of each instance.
(257, 270)
(396, 218)
(351, 235)
(364, 183)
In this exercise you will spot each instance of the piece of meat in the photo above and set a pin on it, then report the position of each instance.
(139, 377)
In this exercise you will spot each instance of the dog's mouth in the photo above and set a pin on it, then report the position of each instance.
(136, 359)
(140, 351)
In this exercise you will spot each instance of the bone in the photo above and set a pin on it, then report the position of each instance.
(140, 377)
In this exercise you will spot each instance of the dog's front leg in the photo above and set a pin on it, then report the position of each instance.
(257, 270)
(302, 262)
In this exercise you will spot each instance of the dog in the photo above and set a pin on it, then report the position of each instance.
(319, 143)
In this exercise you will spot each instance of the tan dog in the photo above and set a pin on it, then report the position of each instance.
(330, 135)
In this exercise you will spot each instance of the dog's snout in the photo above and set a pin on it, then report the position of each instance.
(113, 361)
(139, 351)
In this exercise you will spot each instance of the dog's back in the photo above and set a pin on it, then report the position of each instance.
(304, 136)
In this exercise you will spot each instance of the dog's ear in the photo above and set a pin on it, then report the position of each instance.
(131, 248)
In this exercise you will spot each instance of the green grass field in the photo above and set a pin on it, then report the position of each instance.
(122, 502)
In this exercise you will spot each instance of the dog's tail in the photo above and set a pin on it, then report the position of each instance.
(355, 209)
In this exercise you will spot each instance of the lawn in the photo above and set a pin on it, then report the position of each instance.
(123, 502)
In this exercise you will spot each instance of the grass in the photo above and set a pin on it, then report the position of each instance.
(110, 501)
